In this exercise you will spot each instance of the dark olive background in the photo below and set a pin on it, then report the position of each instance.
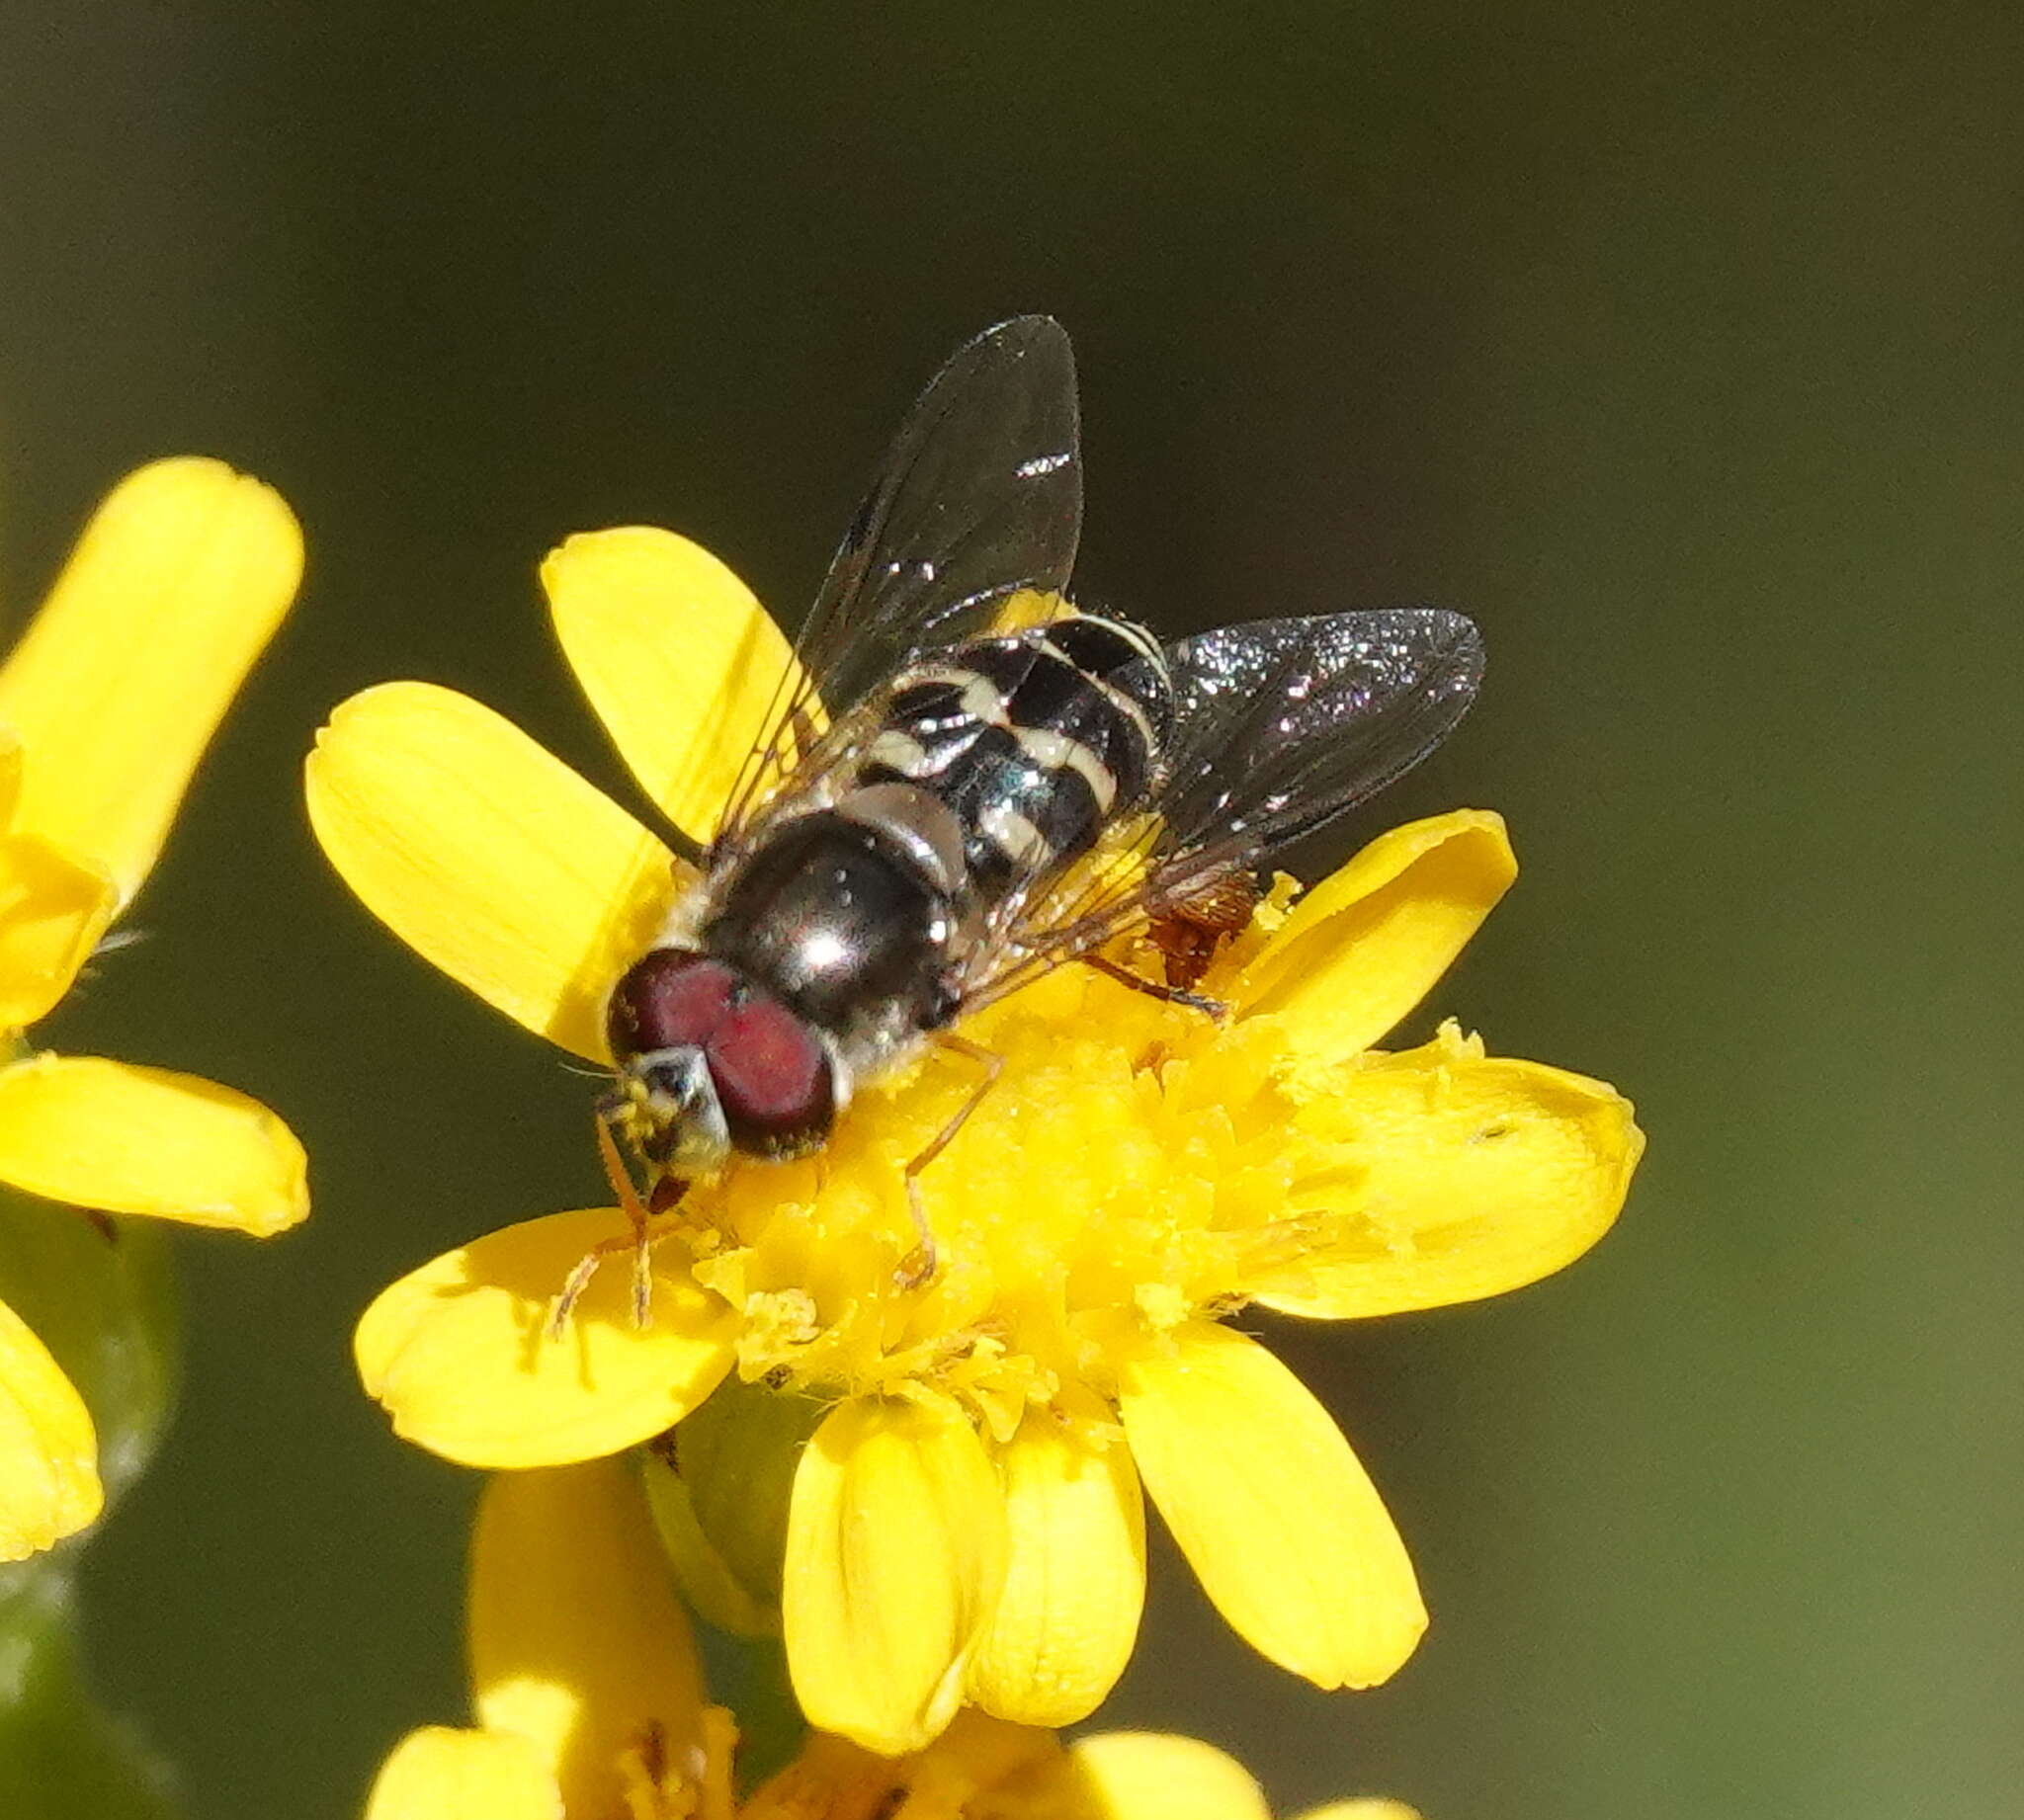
(1679, 343)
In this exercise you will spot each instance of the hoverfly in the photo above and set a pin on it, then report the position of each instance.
(945, 805)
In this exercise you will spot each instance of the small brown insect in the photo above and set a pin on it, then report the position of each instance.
(1189, 933)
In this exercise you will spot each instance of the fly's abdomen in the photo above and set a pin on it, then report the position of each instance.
(1034, 741)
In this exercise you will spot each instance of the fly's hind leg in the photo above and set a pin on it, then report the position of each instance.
(641, 1216)
(919, 1264)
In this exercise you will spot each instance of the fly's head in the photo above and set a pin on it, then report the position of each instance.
(711, 1064)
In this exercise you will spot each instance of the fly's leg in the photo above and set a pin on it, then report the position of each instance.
(804, 732)
(1167, 995)
(640, 1241)
(919, 1264)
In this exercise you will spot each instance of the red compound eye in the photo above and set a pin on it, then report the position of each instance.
(772, 1076)
(669, 999)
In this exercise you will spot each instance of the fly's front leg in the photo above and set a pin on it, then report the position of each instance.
(919, 1264)
(640, 1241)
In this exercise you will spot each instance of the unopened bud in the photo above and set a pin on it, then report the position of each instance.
(718, 1486)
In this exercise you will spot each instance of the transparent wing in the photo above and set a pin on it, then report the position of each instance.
(1280, 725)
(978, 497)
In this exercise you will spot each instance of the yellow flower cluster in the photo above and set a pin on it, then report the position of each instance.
(590, 1707)
(951, 1542)
(965, 1524)
(106, 706)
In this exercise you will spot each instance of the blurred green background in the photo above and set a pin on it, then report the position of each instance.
(1678, 343)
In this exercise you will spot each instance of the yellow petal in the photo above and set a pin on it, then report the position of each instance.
(48, 1451)
(578, 1641)
(1159, 1776)
(437, 1774)
(830, 1776)
(106, 1134)
(1063, 1626)
(459, 1351)
(895, 1550)
(1365, 945)
(11, 762)
(52, 911)
(1275, 1515)
(486, 855)
(1461, 1176)
(175, 588)
(677, 657)
(979, 1767)
(1363, 1807)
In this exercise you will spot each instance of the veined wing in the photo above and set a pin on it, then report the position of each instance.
(978, 497)
(1280, 726)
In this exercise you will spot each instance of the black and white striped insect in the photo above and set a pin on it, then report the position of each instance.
(966, 783)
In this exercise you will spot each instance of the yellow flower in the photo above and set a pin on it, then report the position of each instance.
(589, 1708)
(965, 1523)
(106, 706)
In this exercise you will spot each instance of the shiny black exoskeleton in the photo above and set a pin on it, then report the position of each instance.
(836, 916)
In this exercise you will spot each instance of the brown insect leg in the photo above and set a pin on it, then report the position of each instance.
(1167, 995)
(804, 734)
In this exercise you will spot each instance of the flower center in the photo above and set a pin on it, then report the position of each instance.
(1129, 1169)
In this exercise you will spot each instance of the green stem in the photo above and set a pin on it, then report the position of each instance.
(62, 1757)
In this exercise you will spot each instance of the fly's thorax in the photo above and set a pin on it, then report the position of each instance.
(846, 915)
